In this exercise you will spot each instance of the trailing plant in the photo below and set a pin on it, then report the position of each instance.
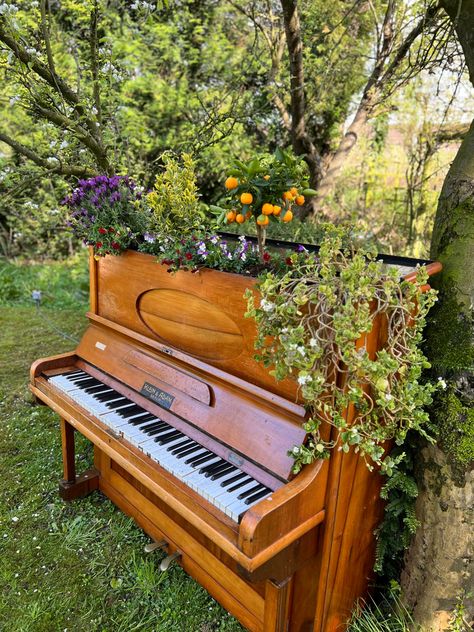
(105, 213)
(312, 323)
(399, 523)
(174, 201)
(264, 191)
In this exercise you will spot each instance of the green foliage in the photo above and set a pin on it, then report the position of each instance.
(313, 319)
(62, 284)
(399, 523)
(390, 615)
(174, 201)
(459, 619)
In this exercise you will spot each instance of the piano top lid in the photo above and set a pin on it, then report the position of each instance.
(405, 265)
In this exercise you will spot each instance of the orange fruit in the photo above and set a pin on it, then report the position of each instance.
(262, 220)
(230, 216)
(287, 195)
(287, 217)
(300, 200)
(267, 209)
(248, 214)
(267, 177)
(240, 219)
(294, 191)
(276, 210)
(231, 183)
(246, 198)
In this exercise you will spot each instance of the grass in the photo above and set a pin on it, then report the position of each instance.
(76, 566)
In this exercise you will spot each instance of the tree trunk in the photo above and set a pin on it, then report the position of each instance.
(439, 565)
(327, 183)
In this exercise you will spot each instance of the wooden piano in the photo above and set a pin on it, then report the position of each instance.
(191, 438)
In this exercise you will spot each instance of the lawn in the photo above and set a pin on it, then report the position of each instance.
(76, 566)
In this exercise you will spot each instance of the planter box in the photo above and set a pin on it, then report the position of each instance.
(199, 313)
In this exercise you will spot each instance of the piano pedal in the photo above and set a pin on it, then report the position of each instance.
(169, 560)
(153, 546)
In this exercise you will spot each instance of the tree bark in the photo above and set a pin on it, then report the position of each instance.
(439, 569)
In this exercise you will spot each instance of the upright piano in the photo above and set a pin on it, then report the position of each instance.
(191, 438)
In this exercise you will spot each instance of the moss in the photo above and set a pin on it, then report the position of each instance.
(455, 424)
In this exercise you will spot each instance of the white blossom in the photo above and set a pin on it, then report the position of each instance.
(304, 379)
(267, 306)
(442, 383)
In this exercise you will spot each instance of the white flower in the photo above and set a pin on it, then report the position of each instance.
(296, 450)
(388, 397)
(302, 351)
(442, 383)
(304, 379)
(267, 306)
(313, 342)
(15, 519)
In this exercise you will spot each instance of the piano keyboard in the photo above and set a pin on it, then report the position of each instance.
(221, 483)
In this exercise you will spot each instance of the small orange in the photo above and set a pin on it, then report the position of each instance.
(276, 210)
(287, 217)
(294, 191)
(300, 200)
(240, 219)
(231, 183)
(262, 220)
(267, 177)
(246, 198)
(248, 214)
(267, 209)
(230, 217)
(287, 195)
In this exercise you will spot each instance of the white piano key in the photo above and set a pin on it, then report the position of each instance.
(240, 506)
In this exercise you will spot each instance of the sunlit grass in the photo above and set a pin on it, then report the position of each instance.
(76, 566)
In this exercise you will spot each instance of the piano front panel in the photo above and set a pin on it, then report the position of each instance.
(201, 313)
(259, 431)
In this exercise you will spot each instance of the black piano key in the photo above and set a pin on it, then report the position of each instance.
(71, 373)
(107, 397)
(164, 439)
(154, 425)
(92, 390)
(197, 460)
(189, 450)
(257, 496)
(130, 411)
(141, 419)
(159, 432)
(184, 446)
(80, 378)
(118, 403)
(91, 381)
(171, 439)
(249, 492)
(234, 479)
(241, 483)
(222, 472)
(210, 469)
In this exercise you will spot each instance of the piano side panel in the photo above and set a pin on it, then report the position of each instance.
(201, 313)
(353, 511)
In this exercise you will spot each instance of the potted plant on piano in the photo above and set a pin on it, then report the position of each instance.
(170, 350)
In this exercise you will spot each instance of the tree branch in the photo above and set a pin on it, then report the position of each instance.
(65, 170)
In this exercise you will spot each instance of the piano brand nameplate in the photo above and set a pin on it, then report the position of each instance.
(160, 397)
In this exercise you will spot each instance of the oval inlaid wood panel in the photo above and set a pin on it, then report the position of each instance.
(190, 323)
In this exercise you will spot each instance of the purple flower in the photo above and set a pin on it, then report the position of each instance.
(301, 248)
(149, 237)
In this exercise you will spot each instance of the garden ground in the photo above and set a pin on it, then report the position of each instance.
(77, 566)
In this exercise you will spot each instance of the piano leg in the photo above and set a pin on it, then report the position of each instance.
(277, 605)
(72, 486)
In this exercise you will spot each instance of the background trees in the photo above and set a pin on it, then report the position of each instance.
(357, 87)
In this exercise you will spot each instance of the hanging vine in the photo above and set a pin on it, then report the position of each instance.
(312, 324)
